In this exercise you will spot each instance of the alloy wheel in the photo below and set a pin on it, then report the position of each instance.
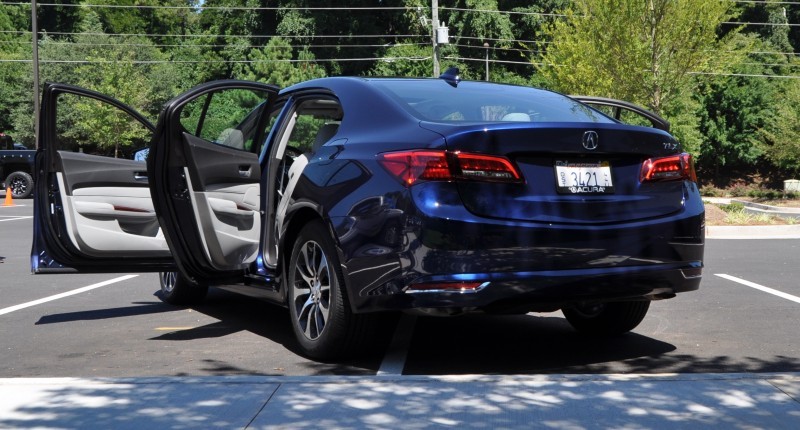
(312, 290)
(18, 186)
(168, 280)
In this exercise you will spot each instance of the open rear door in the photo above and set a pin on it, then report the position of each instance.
(92, 205)
(206, 177)
(625, 112)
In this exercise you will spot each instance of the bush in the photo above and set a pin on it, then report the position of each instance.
(739, 190)
(711, 191)
(733, 208)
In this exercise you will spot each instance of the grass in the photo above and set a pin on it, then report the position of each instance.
(736, 215)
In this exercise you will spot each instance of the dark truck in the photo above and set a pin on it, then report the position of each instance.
(16, 167)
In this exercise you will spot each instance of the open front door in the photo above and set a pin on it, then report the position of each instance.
(93, 211)
(205, 177)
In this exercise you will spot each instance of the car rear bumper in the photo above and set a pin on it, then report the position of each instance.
(518, 266)
(542, 291)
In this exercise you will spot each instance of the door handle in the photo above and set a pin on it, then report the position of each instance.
(140, 176)
(245, 171)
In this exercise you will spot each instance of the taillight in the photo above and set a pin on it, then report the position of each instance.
(486, 167)
(411, 166)
(423, 165)
(672, 168)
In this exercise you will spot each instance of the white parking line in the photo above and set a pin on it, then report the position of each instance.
(67, 294)
(395, 359)
(15, 218)
(780, 294)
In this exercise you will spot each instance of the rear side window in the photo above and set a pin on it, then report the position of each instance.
(436, 100)
(228, 117)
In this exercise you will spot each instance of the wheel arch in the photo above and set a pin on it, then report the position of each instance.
(299, 219)
(10, 168)
(292, 229)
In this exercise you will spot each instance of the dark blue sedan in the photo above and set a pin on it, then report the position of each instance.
(345, 199)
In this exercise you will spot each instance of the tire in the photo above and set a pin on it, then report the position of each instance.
(176, 290)
(21, 184)
(322, 321)
(607, 318)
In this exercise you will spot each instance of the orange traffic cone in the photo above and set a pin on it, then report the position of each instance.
(9, 200)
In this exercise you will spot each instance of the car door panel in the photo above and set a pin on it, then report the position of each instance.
(206, 184)
(225, 201)
(92, 213)
(107, 206)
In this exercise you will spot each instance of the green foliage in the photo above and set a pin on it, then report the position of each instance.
(747, 119)
(733, 207)
(276, 64)
(647, 52)
(711, 191)
(780, 135)
(405, 59)
(640, 51)
(224, 111)
(14, 50)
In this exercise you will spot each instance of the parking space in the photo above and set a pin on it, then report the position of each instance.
(122, 329)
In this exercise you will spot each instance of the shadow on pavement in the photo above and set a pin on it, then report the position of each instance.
(477, 344)
(101, 314)
(527, 344)
(236, 312)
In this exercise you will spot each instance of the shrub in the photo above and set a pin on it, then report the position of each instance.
(711, 191)
(734, 207)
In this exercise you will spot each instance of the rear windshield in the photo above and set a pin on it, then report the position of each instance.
(436, 100)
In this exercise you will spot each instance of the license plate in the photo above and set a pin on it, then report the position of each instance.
(584, 177)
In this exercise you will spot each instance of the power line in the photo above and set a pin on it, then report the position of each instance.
(201, 8)
(508, 12)
(237, 36)
(156, 45)
(316, 60)
(770, 2)
(746, 75)
(770, 24)
(328, 8)
(494, 48)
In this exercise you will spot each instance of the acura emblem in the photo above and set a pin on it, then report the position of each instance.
(590, 140)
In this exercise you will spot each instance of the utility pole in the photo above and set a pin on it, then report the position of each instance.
(486, 46)
(435, 35)
(36, 107)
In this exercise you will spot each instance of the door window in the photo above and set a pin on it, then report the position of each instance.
(91, 126)
(229, 118)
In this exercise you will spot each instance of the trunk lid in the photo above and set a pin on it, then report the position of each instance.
(598, 181)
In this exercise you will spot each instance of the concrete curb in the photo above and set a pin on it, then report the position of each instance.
(753, 232)
(787, 231)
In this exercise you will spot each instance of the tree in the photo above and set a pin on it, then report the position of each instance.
(14, 52)
(640, 51)
(405, 59)
(781, 133)
(275, 64)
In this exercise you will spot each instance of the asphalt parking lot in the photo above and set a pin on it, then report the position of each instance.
(113, 325)
(101, 351)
